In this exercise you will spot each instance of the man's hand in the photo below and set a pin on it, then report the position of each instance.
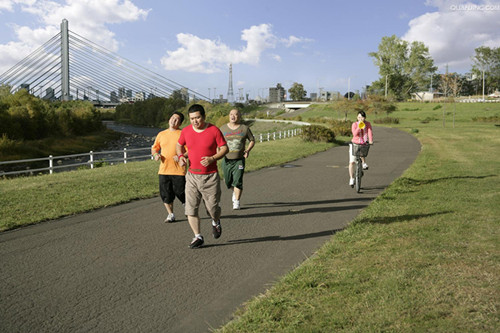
(181, 160)
(207, 160)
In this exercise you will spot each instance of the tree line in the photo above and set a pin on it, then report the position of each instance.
(406, 67)
(26, 117)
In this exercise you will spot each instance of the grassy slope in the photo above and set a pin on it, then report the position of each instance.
(424, 256)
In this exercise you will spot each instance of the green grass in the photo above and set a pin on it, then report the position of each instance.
(28, 200)
(424, 256)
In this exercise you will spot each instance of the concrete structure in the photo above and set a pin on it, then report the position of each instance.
(296, 105)
(425, 96)
(277, 94)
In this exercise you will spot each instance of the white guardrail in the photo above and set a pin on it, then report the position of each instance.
(94, 159)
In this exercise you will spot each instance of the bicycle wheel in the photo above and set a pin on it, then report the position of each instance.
(359, 174)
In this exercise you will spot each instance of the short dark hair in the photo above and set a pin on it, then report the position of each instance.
(362, 113)
(197, 108)
(179, 114)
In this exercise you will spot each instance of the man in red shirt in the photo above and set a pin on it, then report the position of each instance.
(205, 145)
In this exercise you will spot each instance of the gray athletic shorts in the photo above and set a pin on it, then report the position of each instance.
(206, 187)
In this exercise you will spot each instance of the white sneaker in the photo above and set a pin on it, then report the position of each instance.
(365, 166)
(234, 197)
(170, 218)
(351, 182)
(236, 204)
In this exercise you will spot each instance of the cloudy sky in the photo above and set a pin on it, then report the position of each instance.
(319, 43)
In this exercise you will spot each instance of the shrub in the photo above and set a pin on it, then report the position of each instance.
(386, 120)
(437, 107)
(428, 120)
(317, 133)
(494, 118)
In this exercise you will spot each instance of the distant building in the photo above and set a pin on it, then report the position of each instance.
(277, 94)
(121, 93)
(113, 97)
(425, 96)
(129, 94)
(140, 96)
(314, 96)
(220, 100)
(49, 94)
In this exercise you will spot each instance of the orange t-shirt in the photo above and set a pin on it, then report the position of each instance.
(165, 143)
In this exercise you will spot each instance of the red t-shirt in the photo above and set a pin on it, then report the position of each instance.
(201, 144)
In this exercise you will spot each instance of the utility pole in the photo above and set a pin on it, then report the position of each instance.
(230, 94)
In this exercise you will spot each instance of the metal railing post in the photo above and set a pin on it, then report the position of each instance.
(91, 159)
(51, 164)
(260, 137)
(124, 155)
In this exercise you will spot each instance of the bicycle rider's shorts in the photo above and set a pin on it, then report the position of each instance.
(352, 158)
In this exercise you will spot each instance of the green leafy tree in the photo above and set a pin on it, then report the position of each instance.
(487, 60)
(404, 67)
(297, 92)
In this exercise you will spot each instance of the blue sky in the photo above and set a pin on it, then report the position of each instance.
(319, 43)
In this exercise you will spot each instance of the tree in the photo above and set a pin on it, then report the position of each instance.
(450, 84)
(404, 67)
(486, 62)
(297, 92)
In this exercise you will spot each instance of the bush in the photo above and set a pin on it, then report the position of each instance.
(437, 107)
(386, 120)
(428, 120)
(492, 119)
(316, 133)
(339, 127)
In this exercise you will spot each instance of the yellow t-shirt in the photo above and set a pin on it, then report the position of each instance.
(165, 143)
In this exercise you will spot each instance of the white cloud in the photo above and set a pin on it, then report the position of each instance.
(294, 40)
(455, 30)
(210, 56)
(276, 57)
(6, 5)
(88, 18)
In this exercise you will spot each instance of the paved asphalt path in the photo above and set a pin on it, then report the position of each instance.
(121, 269)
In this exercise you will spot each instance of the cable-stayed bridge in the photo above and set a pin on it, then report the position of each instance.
(69, 67)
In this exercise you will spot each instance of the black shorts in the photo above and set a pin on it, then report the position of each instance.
(172, 186)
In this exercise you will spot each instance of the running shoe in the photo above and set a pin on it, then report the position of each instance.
(365, 166)
(170, 218)
(216, 229)
(236, 204)
(196, 242)
(351, 182)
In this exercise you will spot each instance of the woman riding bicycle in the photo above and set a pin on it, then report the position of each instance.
(362, 133)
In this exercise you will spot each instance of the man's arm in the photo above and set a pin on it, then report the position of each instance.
(250, 147)
(179, 150)
(221, 152)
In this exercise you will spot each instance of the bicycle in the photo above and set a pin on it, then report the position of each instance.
(359, 151)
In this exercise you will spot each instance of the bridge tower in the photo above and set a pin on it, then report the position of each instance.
(230, 94)
(65, 94)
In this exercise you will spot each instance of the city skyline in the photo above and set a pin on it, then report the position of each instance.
(324, 46)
